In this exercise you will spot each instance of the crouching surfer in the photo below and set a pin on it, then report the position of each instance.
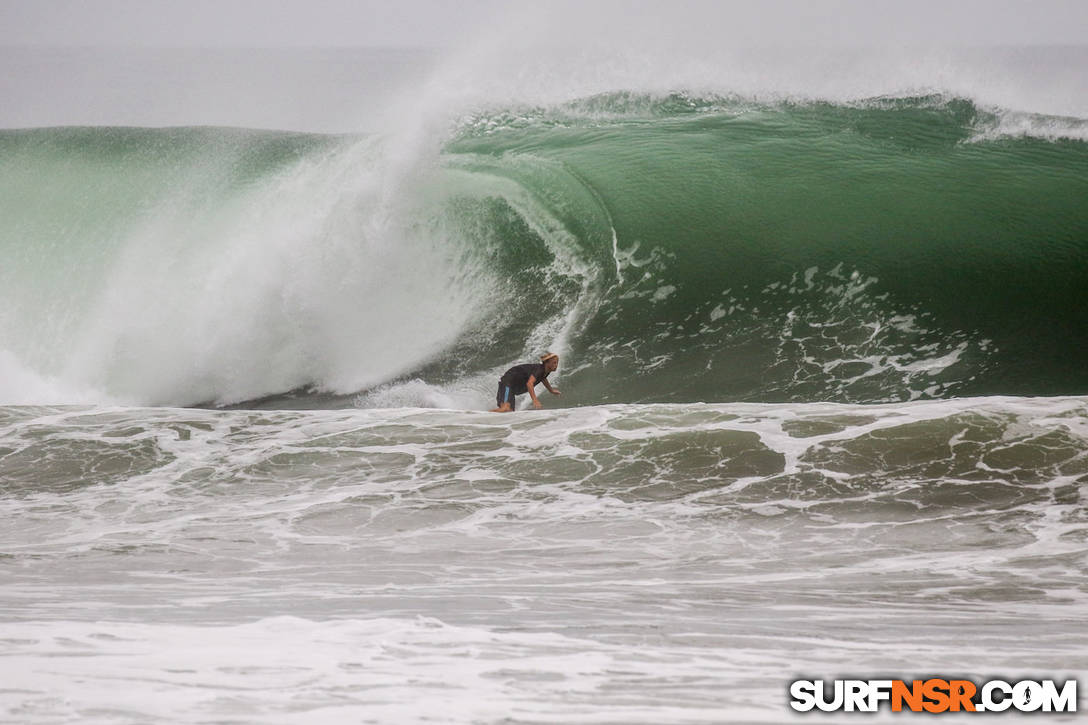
(523, 379)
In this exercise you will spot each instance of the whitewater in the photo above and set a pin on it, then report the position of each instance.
(825, 386)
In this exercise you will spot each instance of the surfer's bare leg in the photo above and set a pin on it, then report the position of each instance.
(504, 408)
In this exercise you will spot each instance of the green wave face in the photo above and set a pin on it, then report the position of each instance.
(673, 248)
(885, 251)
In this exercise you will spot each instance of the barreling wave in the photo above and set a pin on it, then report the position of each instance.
(674, 248)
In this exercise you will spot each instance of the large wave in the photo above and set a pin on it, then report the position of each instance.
(186, 265)
(673, 247)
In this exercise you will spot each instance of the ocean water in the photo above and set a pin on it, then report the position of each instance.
(823, 363)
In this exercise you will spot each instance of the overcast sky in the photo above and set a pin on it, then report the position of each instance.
(276, 23)
(498, 51)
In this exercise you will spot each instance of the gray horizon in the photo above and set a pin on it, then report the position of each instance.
(438, 24)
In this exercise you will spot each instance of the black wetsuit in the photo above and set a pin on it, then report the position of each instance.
(515, 381)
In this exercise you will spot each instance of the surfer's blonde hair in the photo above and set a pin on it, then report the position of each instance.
(548, 356)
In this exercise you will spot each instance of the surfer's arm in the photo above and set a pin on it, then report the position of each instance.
(532, 391)
(553, 391)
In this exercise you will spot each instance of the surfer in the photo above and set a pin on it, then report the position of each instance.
(523, 379)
